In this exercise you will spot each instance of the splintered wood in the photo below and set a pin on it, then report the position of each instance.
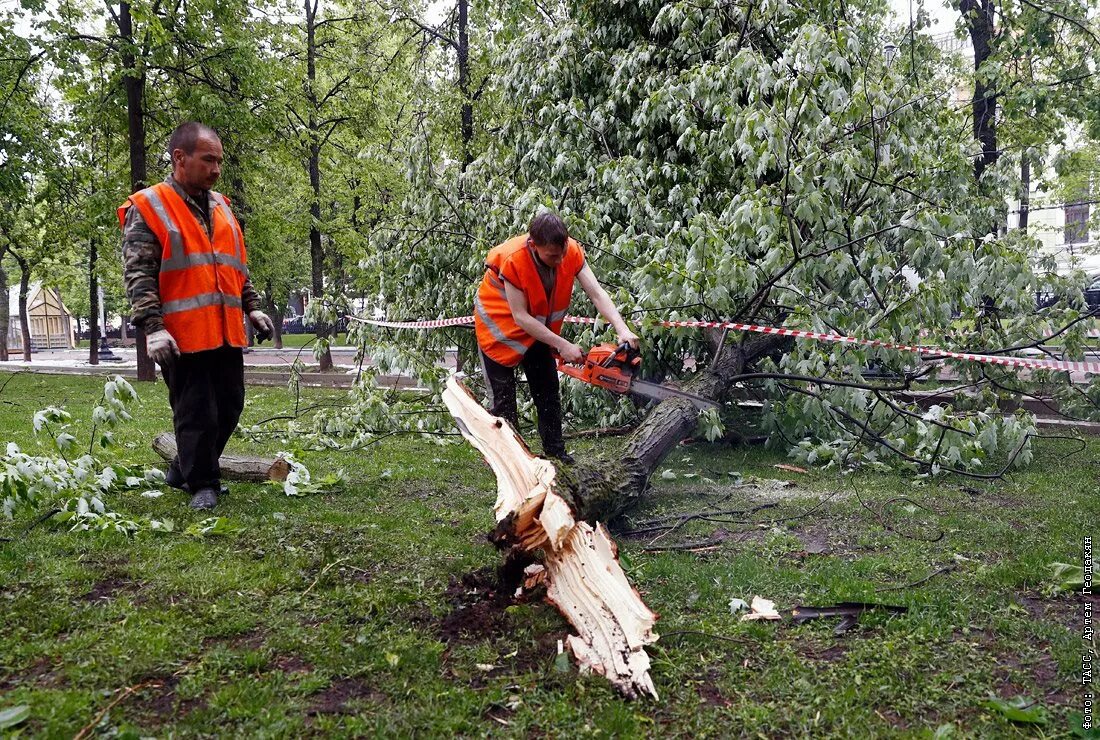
(583, 576)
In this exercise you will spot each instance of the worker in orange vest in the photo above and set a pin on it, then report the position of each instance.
(518, 314)
(186, 275)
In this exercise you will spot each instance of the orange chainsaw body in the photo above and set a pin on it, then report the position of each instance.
(607, 366)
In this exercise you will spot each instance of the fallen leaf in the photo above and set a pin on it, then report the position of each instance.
(737, 605)
(485, 666)
(13, 716)
(1018, 709)
(790, 468)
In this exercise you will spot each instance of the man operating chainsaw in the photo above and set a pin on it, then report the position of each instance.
(518, 314)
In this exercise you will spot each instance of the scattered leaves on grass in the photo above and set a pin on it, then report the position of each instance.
(1018, 709)
(212, 527)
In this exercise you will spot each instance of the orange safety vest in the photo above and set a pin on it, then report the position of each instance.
(201, 278)
(498, 334)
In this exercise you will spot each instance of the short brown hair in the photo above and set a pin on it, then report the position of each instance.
(187, 135)
(548, 230)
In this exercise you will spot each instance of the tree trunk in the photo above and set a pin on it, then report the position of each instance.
(316, 250)
(134, 84)
(5, 318)
(1025, 191)
(93, 302)
(24, 289)
(234, 467)
(463, 54)
(277, 320)
(601, 490)
(979, 18)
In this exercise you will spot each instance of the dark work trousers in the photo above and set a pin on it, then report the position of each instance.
(206, 391)
(542, 377)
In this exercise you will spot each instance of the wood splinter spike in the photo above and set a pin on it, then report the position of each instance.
(583, 576)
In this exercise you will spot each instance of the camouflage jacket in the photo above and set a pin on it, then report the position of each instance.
(141, 264)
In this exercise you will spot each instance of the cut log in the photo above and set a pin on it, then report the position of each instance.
(233, 467)
(582, 573)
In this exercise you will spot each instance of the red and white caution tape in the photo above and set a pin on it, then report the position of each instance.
(429, 324)
(1005, 360)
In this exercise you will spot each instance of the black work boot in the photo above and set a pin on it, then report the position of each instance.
(174, 478)
(204, 499)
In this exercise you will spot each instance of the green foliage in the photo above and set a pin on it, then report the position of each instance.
(759, 164)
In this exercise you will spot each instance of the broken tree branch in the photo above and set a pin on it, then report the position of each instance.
(584, 579)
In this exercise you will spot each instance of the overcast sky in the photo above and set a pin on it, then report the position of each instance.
(943, 17)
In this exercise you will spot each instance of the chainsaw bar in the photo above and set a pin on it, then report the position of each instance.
(661, 392)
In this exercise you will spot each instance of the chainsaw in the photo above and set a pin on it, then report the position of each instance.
(613, 367)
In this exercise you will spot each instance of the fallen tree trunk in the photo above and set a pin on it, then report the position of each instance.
(582, 573)
(605, 488)
(233, 467)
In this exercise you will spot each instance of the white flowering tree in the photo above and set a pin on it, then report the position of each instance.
(757, 162)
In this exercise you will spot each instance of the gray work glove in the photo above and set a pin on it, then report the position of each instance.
(162, 347)
(261, 322)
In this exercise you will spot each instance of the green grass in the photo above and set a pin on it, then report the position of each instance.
(323, 616)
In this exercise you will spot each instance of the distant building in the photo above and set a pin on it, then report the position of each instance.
(1062, 228)
(51, 324)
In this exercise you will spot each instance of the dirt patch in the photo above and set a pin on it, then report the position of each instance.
(708, 691)
(827, 653)
(341, 693)
(108, 588)
(537, 656)
(291, 664)
(1064, 610)
(252, 639)
(158, 702)
(41, 673)
(478, 600)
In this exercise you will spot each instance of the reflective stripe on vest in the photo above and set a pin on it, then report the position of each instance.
(201, 274)
(498, 334)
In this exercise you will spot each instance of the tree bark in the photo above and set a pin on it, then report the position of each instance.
(463, 55)
(1025, 191)
(234, 467)
(5, 317)
(24, 288)
(134, 84)
(979, 18)
(93, 302)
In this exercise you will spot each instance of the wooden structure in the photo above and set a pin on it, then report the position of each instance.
(51, 324)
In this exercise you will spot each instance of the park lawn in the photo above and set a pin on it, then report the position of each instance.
(339, 613)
